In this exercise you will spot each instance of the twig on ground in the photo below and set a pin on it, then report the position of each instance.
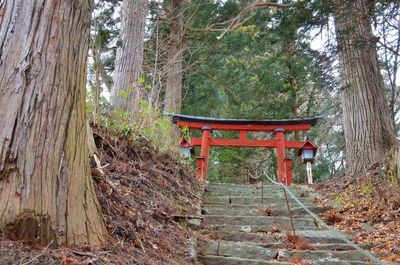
(114, 151)
(38, 256)
(140, 243)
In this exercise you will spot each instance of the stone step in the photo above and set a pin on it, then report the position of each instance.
(279, 243)
(259, 252)
(239, 188)
(236, 249)
(311, 236)
(272, 206)
(267, 229)
(241, 227)
(219, 260)
(245, 200)
(254, 195)
(251, 187)
(259, 211)
(318, 256)
(256, 191)
(298, 222)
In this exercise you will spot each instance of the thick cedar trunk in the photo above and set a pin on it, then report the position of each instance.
(46, 192)
(126, 92)
(173, 85)
(368, 130)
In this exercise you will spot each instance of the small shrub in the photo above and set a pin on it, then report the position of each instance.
(148, 123)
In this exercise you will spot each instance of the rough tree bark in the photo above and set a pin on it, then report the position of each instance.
(126, 92)
(368, 130)
(173, 85)
(46, 192)
(97, 85)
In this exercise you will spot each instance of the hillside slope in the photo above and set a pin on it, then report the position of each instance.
(144, 196)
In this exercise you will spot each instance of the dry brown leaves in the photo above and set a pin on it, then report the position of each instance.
(370, 210)
(268, 212)
(296, 242)
(299, 261)
(332, 217)
(269, 232)
(141, 194)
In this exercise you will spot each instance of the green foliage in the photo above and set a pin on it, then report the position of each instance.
(262, 68)
(148, 123)
(367, 190)
(125, 92)
(141, 79)
(265, 68)
(338, 198)
(158, 129)
(185, 133)
(104, 104)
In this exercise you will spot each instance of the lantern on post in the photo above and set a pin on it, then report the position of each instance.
(186, 148)
(307, 152)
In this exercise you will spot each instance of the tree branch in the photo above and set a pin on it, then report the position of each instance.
(260, 4)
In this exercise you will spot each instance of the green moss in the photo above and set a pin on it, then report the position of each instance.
(367, 190)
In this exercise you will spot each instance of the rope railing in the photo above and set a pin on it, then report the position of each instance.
(322, 222)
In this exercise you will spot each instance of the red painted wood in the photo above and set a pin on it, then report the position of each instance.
(243, 135)
(199, 167)
(240, 127)
(284, 165)
(247, 143)
(204, 152)
(280, 154)
(288, 171)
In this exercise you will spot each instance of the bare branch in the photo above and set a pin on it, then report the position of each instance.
(260, 4)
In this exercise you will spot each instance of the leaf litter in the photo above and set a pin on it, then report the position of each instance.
(144, 196)
(369, 209)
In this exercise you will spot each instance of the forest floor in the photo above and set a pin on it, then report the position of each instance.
(145, 197)
(369, 208)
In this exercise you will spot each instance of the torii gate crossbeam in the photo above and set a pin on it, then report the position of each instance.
(278, 126)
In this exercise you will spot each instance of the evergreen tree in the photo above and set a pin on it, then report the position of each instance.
(126, 91)
(46, 191)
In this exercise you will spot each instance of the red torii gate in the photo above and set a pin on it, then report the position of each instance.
(278, 126)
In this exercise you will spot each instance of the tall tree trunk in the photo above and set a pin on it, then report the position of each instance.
(97, 86)
(126, 92)
(369, 132)
(46, 192)
(292, 80)
(173, 86)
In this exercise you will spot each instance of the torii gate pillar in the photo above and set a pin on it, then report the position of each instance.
(280, 153)
(202, 160)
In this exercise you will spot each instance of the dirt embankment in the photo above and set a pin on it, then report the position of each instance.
(369, 207)
(144, 197)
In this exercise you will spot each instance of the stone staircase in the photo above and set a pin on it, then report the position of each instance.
(249, 225)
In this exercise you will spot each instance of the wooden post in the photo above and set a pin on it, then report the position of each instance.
(280, 152)
(204, 152)
(309, 173)
(288, 171)
(243, 135)
(199, 167)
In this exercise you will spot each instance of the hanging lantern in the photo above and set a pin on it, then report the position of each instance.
(186, 148)
(307, 153)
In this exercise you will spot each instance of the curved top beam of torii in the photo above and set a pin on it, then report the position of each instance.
(198, 122)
